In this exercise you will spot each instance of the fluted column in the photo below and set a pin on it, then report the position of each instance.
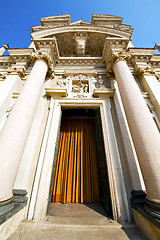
(16, 129)
(144, 132)
(3, 49)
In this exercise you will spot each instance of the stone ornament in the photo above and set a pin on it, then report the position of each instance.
(45, 57)
(2, 77)
(17, 71)
(81, 86)
(61, 83)
(116, 57)
(80, 40)
(145, 71)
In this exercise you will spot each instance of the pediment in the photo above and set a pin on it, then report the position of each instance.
(81, 38)
(80, 22)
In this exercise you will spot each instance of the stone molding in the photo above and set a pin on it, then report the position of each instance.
(2, 77)
(56, 92)
(114, 44)
(81, 61)
(20, 71)
(157, 76)
(47, 44)
(103, 93)
(146, 71)
(115, 49)
(45, 57)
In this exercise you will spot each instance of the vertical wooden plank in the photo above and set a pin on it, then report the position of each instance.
(71, 165)
(75, 165)
(66, 161)
(81, 160)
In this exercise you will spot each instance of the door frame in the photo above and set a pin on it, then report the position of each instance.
(119, 200)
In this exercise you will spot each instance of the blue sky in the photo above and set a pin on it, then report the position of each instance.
(17, 17)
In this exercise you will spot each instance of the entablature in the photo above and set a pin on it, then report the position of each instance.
(81, 61)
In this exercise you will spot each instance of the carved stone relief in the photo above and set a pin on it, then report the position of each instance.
(80, 86)
(61, 83)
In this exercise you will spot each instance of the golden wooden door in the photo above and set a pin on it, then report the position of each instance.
(76, 172)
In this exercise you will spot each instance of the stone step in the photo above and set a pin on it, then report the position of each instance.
(59, 228)
(76, 222)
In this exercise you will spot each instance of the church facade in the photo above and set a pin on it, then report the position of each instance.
(80, 122)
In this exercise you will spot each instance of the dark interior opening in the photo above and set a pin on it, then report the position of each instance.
(104, 191)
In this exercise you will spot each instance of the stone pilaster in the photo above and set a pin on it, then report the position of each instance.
(151, 85)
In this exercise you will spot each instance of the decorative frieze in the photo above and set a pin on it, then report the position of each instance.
(77, 85)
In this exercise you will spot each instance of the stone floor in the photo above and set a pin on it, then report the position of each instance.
(75, 222)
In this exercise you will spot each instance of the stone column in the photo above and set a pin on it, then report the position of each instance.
(16, 129)
(144, 132)
(3, 49)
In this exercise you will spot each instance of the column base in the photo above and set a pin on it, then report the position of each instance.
(153, 209)
(6, 206)
(146, 208)
(12, 206)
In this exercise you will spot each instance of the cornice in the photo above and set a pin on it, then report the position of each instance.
(88, 29)
(141, 54)
(155, 60)
(115, 49)
(47, 43)
(113, 45)
(16, 55)
(20, 51)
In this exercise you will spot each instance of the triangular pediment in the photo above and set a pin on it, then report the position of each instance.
(80, 22)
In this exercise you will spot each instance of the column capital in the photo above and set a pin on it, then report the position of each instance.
(145, 71)
(116, 57)
(45, 57)
(16, 70)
